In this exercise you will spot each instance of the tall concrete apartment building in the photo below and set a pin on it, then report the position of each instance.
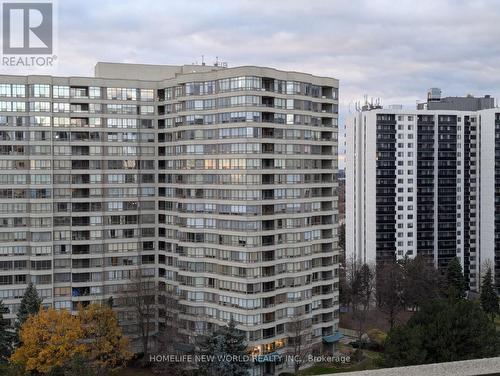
(219, 183)
(425, 182)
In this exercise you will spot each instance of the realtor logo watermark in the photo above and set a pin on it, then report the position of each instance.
(28, 34)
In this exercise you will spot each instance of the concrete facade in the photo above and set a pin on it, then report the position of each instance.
(424, 182)
(219, 183)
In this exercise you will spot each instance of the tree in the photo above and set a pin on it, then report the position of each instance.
(366, 285)
(170, 339)
(49, 339)
(390, 290)
(421, 282)
(363, 288)
(341, 242)
(346, 277)
(75, 367)
(489, 298)
(30, 305)
(299, 340)
(457, 287)
(140, 296)
(57, 342)
(228, 347)
(403, 347)
(443, 330)
(106, 347)
(110, 302)
(5, 336)
(79, 367)
(11, 369)
(357, 286)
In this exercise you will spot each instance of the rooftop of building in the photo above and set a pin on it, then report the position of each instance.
(466, 103)
(435, 103)
(154, 73)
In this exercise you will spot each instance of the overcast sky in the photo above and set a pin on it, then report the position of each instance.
(394, 49)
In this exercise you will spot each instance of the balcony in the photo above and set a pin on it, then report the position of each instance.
(79, 107)
(268, 271)
(79, 91)
(267, 209)
(268, 148)
(268, 317)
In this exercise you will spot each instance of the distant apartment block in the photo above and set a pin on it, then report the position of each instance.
(218, 183)
(468, 103)
(426, 182)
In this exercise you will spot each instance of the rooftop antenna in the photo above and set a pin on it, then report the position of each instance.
(202, 60)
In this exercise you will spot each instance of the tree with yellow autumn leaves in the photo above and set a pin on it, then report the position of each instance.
(49, 339)
(54, 338)
(106, 347)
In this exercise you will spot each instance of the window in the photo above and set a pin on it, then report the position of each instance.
(5, 90)
(19, 91)
(147, 110)
(40, 91)
(147, 95)
(60, 92)
(94, 92)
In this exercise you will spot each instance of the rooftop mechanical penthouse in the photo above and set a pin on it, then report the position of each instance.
(218, 183)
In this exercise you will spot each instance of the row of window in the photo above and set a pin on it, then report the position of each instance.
(41, 193)
(247, 256)
(237, 225)
(93, 108)
(77, 150)
(247, 132)
(250, 101)
(243, 148)
(250, 241)
(64, 91)
(76, 136)
(250, 83)
(244, 194)
(246, 179)
(66, 122)
(246, 164)
(44, 250)
(242, 116)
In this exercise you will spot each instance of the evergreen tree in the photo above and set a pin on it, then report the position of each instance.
(443, 331)
(228, 347)
(30, 305)
(404, 347)
(457, 286)
(421, 282)
(489, 298)
(110, 302)
(5, 336)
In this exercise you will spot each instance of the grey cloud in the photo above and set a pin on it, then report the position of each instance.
(390, 49)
